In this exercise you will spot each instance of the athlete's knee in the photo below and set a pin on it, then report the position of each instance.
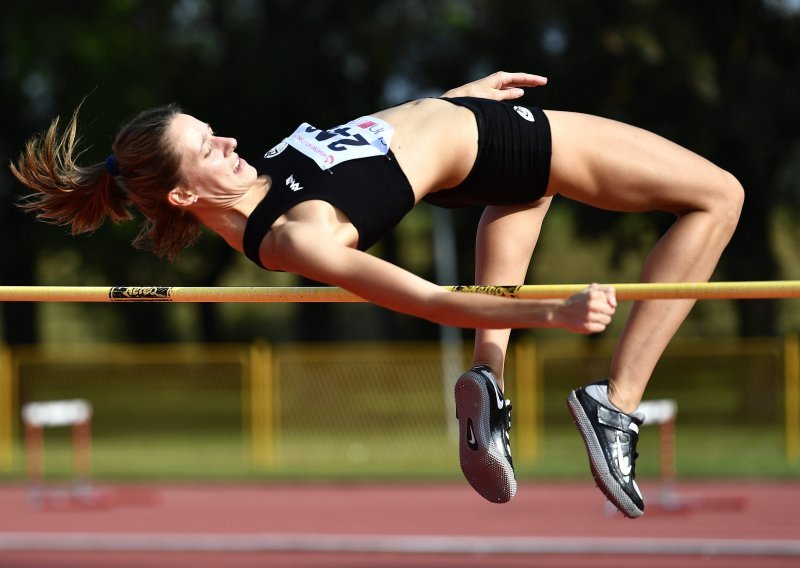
(730, 200)
(722, 198)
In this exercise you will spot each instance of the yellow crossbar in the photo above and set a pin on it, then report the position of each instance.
(253, 294)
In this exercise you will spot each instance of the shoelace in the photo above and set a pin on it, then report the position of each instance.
(634, 456)
(507, 427)
(507, 416)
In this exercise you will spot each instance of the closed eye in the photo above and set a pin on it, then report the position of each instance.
(208, 137)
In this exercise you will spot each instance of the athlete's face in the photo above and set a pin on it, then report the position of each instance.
(215, 175)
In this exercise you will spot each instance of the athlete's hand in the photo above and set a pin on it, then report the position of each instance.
(588, 311)
(499, 86)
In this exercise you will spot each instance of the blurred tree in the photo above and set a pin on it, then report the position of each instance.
(717, 77)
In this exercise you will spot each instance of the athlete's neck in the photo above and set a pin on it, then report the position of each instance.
(229, 223)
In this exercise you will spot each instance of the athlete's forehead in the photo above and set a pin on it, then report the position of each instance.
(190, 132)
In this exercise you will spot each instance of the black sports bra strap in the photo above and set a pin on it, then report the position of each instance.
(256, 229)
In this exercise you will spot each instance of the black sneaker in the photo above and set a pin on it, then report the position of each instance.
(484, 419)
(610, 437)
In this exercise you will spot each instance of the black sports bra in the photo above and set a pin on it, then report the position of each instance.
(373, 193)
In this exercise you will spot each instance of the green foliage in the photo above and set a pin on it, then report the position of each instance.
(718, 77)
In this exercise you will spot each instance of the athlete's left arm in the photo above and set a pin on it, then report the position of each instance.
(499, 86)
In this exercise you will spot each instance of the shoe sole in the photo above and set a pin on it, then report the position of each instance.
(485, 468)
(597, 461)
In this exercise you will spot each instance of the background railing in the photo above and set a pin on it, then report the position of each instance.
(384, 410)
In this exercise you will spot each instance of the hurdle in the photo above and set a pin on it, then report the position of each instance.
(76, 414)
(254, 294)
(663, 413)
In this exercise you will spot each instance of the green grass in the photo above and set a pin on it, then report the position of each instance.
(702, 452)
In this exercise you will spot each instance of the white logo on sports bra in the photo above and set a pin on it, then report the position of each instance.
(360, 138)
(293, 185)
(524, 113)
(277, 150)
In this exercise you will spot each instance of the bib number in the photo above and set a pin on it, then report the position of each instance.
(360, 138)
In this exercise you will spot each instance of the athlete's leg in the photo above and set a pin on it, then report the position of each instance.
(505, 242)
(503, 247)
(619, 167)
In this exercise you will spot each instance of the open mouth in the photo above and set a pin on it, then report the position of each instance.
(236, 166)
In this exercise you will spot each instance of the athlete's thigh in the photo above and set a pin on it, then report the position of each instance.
(612, 165)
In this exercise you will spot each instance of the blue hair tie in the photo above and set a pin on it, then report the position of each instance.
(112, 165)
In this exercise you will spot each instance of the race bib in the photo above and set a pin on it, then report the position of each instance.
(360, 138)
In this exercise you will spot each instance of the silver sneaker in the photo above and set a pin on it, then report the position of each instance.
(610, 437)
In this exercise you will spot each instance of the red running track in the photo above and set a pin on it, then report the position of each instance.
(438, 525)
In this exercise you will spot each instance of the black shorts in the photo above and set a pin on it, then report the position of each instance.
(513, 162)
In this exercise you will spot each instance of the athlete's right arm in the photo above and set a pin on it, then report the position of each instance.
(305, 250)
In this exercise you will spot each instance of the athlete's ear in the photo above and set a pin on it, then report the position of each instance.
(181, 197)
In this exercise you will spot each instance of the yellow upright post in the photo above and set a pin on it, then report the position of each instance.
(262, 405)
(7, 413)
(527, 414)
(791, 359)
